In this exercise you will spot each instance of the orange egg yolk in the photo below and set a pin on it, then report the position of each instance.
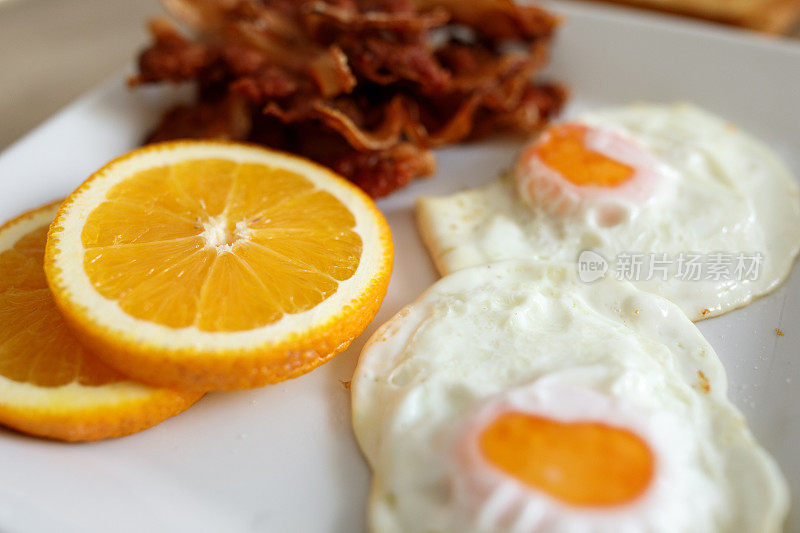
(579, 463)
(565, 151)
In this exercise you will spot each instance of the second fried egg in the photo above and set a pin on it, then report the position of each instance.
(674, 199)
(511, 397)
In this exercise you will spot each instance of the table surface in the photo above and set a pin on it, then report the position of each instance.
(54, 50)
(51, 51)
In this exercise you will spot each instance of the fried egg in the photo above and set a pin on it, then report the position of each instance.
(513, 397)
(669, 197)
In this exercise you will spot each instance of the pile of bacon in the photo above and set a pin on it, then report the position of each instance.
(366, 87)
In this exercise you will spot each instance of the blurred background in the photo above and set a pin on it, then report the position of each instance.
(51, 51)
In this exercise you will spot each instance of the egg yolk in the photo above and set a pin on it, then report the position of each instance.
(565, 151)
(579, 463)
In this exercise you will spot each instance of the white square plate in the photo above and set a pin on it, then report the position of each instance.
(283, 458)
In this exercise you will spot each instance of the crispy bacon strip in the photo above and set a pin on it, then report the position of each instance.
(172, 57)
(382, 172)
(351, 20)
(497, 19)
(366, 87)
(227, 119)
(330, 72)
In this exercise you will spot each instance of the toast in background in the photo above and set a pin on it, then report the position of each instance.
(771, 16)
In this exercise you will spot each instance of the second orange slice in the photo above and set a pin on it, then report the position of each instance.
(213, 265)
(49, 385)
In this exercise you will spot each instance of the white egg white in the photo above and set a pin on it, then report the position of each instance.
(724, 192)
(529, 334)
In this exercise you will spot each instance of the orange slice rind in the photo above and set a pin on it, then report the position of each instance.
(49, 385)
(212, 265)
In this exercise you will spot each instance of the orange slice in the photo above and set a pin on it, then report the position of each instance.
(50, 386)
(217, 265)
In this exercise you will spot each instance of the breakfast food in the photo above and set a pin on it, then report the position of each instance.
(773, 16)
(513, 397)
(366, 87)
(675, 200)
(49, 385)
(212, 265)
